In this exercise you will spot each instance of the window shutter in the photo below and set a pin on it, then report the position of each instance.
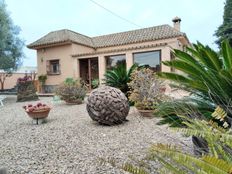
(48, 66)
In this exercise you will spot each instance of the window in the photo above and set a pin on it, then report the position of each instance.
(114, 61)
(149, 59)
(53, 67)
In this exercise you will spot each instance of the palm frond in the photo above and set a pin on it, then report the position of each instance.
(227, 54)
(207, 164)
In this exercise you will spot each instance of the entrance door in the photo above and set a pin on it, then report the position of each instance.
(89, 70)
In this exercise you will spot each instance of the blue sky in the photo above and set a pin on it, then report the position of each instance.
(200, 18)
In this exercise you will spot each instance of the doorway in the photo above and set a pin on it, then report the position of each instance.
(89, 70)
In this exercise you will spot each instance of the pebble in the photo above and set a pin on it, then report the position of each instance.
(70, 142)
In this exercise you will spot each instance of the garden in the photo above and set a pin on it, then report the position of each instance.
(137, 121)
(129, 124)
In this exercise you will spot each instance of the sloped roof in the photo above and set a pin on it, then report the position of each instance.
(62, 36)
(122, 38)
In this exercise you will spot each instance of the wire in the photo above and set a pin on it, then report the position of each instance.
(113, 13)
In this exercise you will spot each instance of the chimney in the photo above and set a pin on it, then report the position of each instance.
(176, 23)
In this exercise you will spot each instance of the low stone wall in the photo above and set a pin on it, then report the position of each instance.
(49, 88)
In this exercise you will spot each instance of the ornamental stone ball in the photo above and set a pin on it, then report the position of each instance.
(107, 105)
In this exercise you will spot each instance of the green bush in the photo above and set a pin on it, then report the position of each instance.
(146, 89)
(71, 90)
(42, 79)
(95, 83)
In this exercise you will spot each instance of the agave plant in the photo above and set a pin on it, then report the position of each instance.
(206, 74)
(119, 77)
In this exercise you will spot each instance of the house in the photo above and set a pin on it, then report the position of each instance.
(65, 53)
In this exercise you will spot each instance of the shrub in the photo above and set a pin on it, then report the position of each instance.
(146, 90)
(95, 83)
(119, 77)
(71, 90)
(42, 79)
(25, 89)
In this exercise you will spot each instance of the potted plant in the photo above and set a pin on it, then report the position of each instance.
(146, 90)
(42, 79)
(72, 91)
(37, 111)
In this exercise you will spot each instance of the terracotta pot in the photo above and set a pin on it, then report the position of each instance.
(39, 114)
(146, 113)
(74, 102)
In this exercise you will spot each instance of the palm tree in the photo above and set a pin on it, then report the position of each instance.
(118, 77)
(206, 74)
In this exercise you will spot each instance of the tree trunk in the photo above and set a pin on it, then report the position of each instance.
(2, 85)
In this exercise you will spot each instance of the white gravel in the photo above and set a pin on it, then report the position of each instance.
(70, 142)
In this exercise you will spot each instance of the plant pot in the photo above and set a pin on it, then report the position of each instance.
(73, 102)
(39, 114)
(146, 113)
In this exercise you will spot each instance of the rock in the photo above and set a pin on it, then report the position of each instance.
(107, 105)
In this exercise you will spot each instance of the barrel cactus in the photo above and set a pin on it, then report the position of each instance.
(107, 105)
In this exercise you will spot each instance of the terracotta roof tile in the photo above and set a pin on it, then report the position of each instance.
(61, 36)
(134, 36)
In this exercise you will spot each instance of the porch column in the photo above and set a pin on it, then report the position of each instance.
(101, 67)
(129, 60)
(76, 68)
(165, 55)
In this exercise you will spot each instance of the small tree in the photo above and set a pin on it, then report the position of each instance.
(10, 44)
(225, 30)
(3, 76)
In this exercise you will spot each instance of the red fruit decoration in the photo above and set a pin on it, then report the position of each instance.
(37, 111)
(37, 107)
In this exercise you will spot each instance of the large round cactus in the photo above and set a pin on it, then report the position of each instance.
(107, 105)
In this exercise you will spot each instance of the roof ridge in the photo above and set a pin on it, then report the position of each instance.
(175, 29)
(77, 33)
(131, 30)
(93, 45)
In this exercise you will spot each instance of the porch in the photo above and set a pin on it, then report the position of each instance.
(91, 67)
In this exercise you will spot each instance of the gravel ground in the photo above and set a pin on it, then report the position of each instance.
(70, 142)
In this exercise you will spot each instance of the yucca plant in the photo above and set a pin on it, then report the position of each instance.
(206, 74)
(118, 77)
